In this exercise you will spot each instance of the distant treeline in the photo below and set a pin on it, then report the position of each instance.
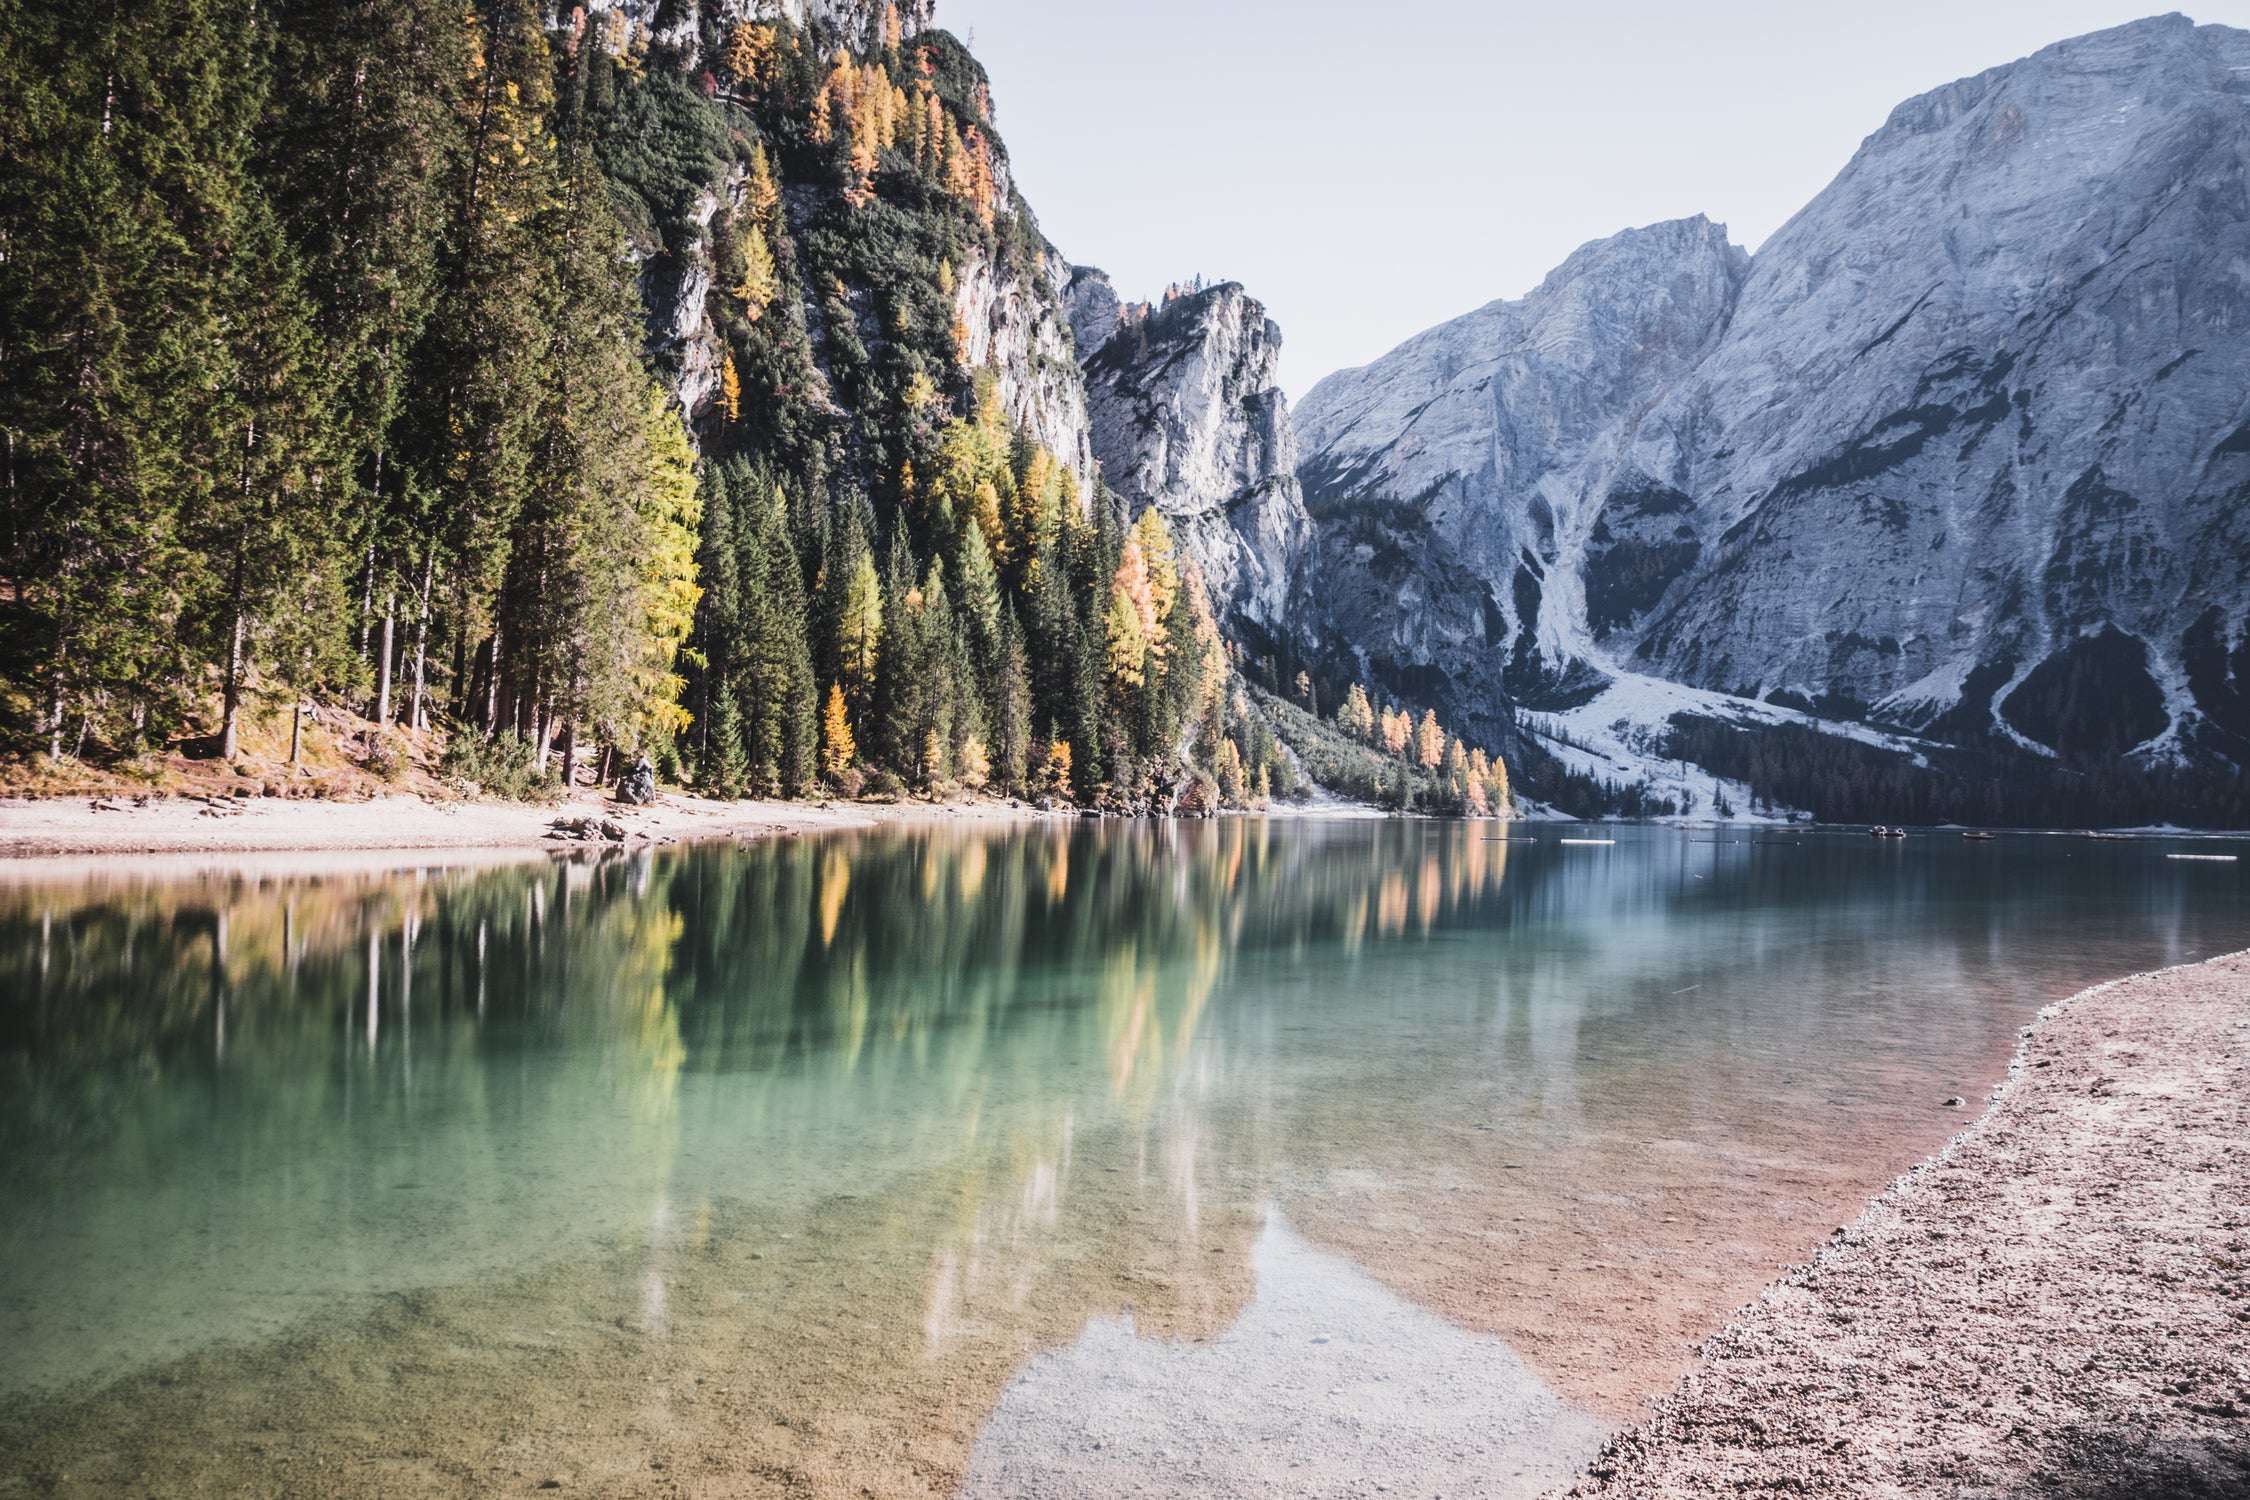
(1840, 780)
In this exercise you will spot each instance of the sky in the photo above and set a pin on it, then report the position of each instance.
(1368, 171)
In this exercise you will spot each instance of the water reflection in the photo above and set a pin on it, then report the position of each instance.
(773, 1166)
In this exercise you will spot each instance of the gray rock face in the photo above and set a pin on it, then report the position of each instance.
(1966, 447)
(678, 26)
(1454, 480)
(1187, 417)
(1021, 328)
(1093, 307)
(676, 290)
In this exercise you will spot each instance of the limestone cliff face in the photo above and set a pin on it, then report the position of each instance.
(676, 290)
(1965, 447)
(1187, 417)
(1018, 326)
(681, 26)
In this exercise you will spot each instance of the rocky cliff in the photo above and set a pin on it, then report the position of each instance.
(1964, 448)
(691, 29)
(1016, 325)
(679, 167)
(1186, 416)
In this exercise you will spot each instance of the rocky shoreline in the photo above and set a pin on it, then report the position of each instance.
(2057, 1303)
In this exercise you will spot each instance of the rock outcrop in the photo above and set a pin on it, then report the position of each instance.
(1187, 417)
(1964, 448)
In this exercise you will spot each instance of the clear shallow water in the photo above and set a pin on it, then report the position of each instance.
(782, 1167)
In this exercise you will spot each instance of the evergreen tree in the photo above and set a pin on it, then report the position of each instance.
(122, 169)
(777, 670)
(897, 715)
(719, 613)
(724, 768)
(857, 620)
(1011, 715)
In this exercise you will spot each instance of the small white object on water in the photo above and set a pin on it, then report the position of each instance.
(2219, 859)
(1586, 841)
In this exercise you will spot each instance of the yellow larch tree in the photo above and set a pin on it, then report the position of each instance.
(1132, 618)
(730, 388)
(837, 748)
(1356, 718)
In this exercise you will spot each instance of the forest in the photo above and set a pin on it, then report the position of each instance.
(330, 372)
(1839, 780)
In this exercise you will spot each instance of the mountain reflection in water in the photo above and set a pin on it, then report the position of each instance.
(769, 1169)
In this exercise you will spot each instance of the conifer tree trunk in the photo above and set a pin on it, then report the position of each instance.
(231, 713)
(492, 686)
(367, 580)
(55, 690)
(414, 718)
(383, 671)
(230, 728)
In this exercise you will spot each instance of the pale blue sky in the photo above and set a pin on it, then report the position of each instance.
(1370, 170)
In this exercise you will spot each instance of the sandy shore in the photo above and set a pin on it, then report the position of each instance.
(35, 833)
(2058, 1303)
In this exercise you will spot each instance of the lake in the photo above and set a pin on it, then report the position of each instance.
(1068, 1159)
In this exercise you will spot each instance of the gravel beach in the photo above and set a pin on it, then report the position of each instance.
(37, 831)
(2056, 1304)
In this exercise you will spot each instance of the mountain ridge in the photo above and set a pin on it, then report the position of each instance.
(1949, 453)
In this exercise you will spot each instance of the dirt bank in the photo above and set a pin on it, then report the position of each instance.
(2059, 1303)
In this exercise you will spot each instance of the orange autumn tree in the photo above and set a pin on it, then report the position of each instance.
(1429, 741)
(861, 106)
(1398, 731)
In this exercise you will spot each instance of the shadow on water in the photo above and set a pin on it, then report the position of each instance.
(774, 1167)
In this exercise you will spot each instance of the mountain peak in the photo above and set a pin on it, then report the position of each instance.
(1960, 448)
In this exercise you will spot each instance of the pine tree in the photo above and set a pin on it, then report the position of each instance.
(471, 438)
(122, 163)
(725, 770)
(777, 673)
(264, 525)
(895, 724)
(1011, 717)
(365, 147)
(719, 616)
(978, 601)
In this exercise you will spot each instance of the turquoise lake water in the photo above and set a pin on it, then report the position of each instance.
(921, 1159)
